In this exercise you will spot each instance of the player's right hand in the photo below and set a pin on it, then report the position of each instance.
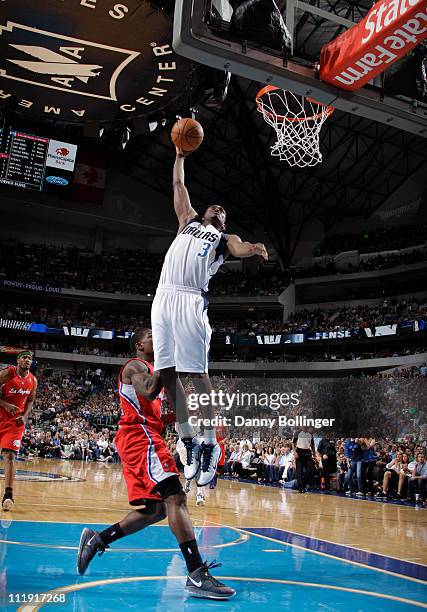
(180, 152)
(10, 408)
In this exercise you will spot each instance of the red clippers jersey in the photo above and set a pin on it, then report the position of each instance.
(136, 409)
(16, 390)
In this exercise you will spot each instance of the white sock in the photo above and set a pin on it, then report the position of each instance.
(209, 436)
(184, 430)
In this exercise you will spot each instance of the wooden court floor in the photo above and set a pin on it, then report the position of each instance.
(78, 492)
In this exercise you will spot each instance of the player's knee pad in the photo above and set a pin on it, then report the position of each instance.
(170, 486)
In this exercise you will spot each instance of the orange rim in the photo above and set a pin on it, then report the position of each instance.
(329, 109)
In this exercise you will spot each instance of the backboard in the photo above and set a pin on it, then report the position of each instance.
(201, 33)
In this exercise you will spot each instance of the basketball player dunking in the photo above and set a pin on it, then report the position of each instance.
(150, 473)
(181, 330)
(17, 394)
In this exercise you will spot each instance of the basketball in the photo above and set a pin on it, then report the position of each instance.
(187, 134)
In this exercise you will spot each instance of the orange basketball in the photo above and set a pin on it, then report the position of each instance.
(187, 134)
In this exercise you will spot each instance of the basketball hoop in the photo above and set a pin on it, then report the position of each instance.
(297, 121)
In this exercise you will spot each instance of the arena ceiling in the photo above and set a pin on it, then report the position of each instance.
(364, 162)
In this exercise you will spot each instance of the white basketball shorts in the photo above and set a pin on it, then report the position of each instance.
(181, 330)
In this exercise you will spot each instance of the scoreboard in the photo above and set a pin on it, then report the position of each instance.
(35, 162)
(24, 163)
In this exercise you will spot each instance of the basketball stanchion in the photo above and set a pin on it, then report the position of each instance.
(297, 122)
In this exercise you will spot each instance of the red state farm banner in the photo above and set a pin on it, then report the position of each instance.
(388, 32)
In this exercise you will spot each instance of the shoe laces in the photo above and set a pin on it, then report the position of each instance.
(102, 550)
(189, 446)
(206, 457)
(206, 568)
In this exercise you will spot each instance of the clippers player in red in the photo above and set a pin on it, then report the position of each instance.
(17, 394)
(150, 473)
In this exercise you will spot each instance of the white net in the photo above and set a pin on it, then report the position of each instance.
(297, 121)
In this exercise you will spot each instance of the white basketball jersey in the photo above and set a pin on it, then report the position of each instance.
(194, 256)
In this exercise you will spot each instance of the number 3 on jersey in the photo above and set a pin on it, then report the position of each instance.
(205, 249)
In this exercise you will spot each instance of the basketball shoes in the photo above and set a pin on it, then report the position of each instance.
(189, 450)
(209, 457)
(200, 498)
(90, 544)
(201, 584)
(8, 502)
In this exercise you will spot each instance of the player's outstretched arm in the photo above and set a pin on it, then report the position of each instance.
(181, 200)
(144, 384)
(245, 249)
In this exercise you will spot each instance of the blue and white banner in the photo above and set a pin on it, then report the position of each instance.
(30, 286)
(75, 331)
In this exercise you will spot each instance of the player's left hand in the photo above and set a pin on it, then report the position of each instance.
(259, 249)
(21, 420)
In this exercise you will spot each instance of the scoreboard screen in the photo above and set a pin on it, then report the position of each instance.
(35, 162)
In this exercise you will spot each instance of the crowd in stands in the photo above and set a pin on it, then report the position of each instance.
(110, 271)
(378, 262)
(76, 414)
(221, 353)
(73, 416)
(375, 467)
(75, 315)
(371, 241)
(389, 311)
(72, 267)
(330, 355)
(134, 272)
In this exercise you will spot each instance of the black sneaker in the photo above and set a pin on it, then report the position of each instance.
(90, 544)
(8, 502)
(201, 584)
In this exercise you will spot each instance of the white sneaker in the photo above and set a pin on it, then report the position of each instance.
(7, 504)
(360, 494)
(200, 499)
(188, 450)
(209, 457)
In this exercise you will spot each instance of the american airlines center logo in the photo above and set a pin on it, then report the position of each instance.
(97, 61)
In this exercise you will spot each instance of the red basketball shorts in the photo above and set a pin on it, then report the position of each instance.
(146, 461)
(10, 434)
(221, 460)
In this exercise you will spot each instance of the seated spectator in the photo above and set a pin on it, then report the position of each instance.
(392, 474)
(269, 460)
(342, 465)
(286, 464)
(418, 480)
(245, 461)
